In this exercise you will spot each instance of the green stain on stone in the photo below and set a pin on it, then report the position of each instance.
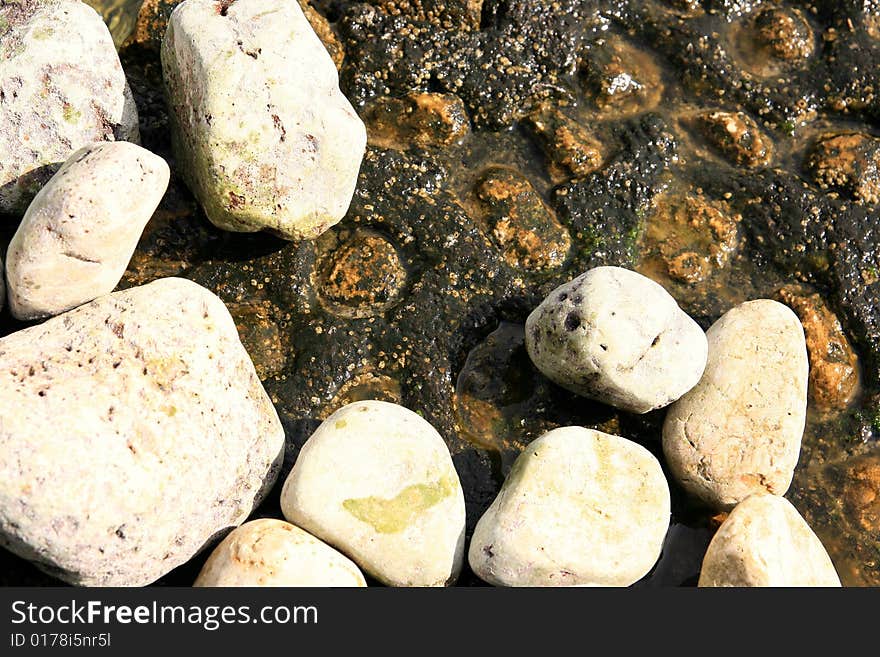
(390, 516)
(71, 114)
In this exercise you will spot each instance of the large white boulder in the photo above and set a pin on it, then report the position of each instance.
(132, 431)
(262, 133)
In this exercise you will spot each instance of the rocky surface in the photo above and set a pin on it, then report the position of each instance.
(834, 365)
(447, 337)
(449, 14)
(736, 136)
(689, 238)
(424, 119)
(579, 507)
(861, 492)
(262, 134)
(738, 432)
(848, 162)
(268, 552)
(168, 438)
(765, 542)
(61, 87)
(615, 336)
(376, 481)
(620, 78)
(570, 148)
(78, 234)
(521, 222)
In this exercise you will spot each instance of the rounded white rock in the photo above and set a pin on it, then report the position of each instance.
(618, 337)
(81, 229)
(135, 429)
(377, 482)
(269, 552)
(579, 507)
(738, 432)
(61, 87)
(261, 131)
(765, 542)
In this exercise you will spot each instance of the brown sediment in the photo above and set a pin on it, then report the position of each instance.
(834, 366)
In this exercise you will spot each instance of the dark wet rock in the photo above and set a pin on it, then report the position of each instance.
(571, 150)
(783, 33)
(325, 32)
(689, 238)
(736, 136)
(519, 57)
(848, 162)
(358, 274)
(841, 501)
(261, 337)
(687, 8)
(620, 78)
(503, 402)
(861, 492)
(787, 222)
(424, 119)
(605, 210)
(152, 20)
(521, 222)
(855, 278)
(834, 366)
(447, 14)
(705, 62)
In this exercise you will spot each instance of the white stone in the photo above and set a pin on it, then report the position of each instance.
(377, 482)
(61, 87)
(579, 507)
(765, 542)
(618, 337)
(269, 552)
(262, 133)
(132, 431)
(738, 432)
(80, 231)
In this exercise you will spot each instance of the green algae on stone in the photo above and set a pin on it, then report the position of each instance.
(390, 516)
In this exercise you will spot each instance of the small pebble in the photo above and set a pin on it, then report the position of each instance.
(377, 482)
(269, 552)
(618, 337)
(738, 432)
(579, 507)
(80, 231)
(765, 542)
